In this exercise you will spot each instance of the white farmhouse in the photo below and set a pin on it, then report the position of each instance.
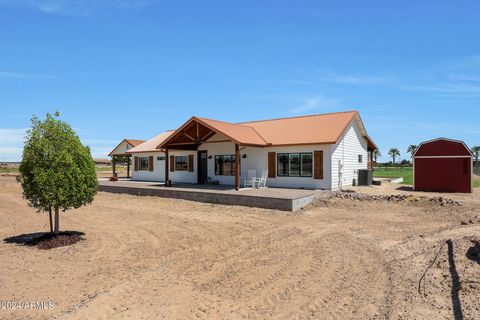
(322, 151)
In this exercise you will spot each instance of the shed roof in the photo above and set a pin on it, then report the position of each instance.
(442, 147)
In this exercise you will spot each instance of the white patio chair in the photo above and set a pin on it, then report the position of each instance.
(250, 180)
(262, 181)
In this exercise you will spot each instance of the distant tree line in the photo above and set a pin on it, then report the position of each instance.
(394, 154)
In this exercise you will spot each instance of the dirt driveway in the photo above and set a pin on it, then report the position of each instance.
(153, 258)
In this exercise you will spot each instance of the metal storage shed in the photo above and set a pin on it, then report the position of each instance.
(443, 165)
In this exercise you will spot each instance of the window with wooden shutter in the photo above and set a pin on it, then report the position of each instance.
(318, 164)
(172, 163)
(135, 164)
(271, 165)
(190, 162)
(150, 163)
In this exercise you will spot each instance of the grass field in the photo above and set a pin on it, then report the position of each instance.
(476, 183)
(395, 172)
(406, 173)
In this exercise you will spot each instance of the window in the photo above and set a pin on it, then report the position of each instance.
(161, 158)
(181, 163)
(143, 163)
(360, 158)
(306, 165)
(225, 165)
(294, 164)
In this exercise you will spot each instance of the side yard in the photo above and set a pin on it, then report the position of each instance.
(395, 172)
(407, 174)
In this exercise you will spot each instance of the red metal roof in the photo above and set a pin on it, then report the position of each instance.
(442, 147)
(311, 129)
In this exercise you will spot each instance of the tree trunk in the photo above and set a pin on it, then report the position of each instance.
(57, 221)
(50, 219)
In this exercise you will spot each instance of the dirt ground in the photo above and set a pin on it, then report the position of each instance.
(154, 258)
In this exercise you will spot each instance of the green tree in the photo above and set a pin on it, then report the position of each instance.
(376, 154)
(394, 153)
(411, 149)
(57, 171)
(476, 153)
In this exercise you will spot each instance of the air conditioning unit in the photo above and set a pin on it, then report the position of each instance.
(365, 177)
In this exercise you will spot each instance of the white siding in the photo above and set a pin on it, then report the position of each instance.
(303, 182)
(183, 176)
(346, 152)
(121, 148)
(158, 173)
(219, 148)
(257, 159)
(351, 145)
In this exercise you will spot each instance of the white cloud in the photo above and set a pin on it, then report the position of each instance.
(100, 152)
(99, 141)
(11, 143)
(333, 77)
(316, 102)
(12, 140)
(17, 75)
(353, 79)
(9, 137)
(10, 154)
(85, 8)
(460, 88)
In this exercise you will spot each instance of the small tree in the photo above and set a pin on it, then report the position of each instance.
(57, 171)
(476, 153)
(394, 153)
(411, 149)
(376, 154)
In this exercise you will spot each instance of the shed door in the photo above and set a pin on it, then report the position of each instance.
(443, 174)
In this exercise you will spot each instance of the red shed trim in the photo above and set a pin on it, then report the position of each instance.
(468, 153)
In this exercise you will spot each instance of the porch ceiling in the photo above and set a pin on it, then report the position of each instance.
(189, 137)
(198, 130)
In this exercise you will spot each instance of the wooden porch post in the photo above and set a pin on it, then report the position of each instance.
(113, 166)
(237, 167)
(166, 167)
(128, 166)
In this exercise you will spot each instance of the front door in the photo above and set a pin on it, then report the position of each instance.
(202, 167)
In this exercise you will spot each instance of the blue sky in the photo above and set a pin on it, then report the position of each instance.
(133, 69)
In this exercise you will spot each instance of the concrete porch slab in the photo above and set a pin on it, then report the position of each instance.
(268, 198)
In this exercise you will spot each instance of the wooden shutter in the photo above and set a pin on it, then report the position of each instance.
(190, 162)
(135, 164)
(271, 165)
(172, 163)
(318, 164)
(150, 163)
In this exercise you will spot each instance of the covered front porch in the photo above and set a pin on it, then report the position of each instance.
(270, 198)
(127, 157)
(120, 152)
(198, 131)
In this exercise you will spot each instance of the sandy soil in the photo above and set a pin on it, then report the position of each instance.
(153, 258)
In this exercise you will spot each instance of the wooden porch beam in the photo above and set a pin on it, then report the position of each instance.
(237, 167)
(181, 143)
(128, 166)
(189, 136)
(113, 166)
(207, 135)
(167, 183)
